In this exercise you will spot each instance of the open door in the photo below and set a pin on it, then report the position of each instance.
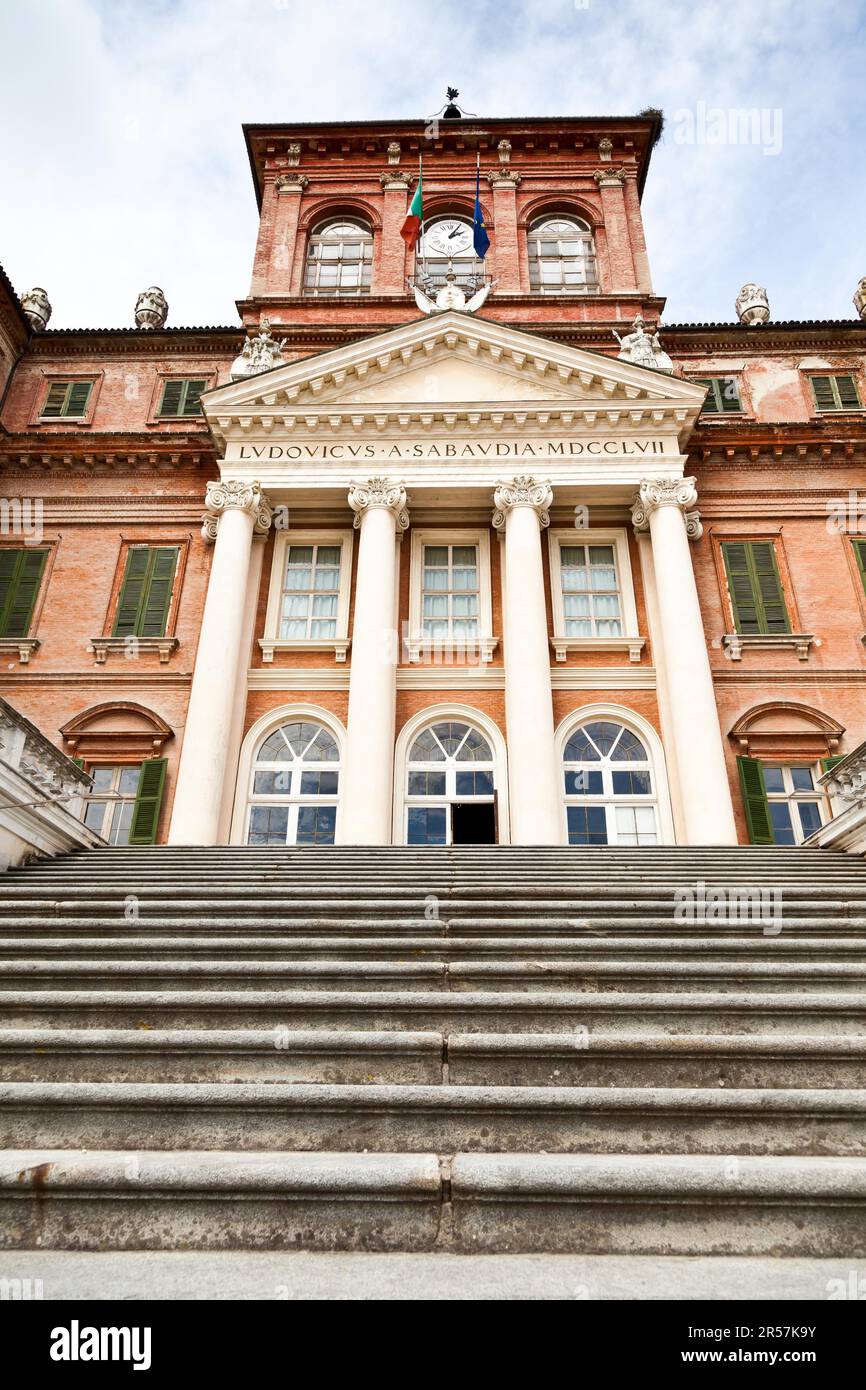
(473, 823)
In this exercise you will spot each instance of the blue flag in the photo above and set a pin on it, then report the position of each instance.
(480, 239)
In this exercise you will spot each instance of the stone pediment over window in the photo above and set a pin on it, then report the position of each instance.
(118, 729)
(456, 371)
(782, 729)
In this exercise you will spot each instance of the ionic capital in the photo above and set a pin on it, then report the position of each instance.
(522, 491)
(667, 492)
(290, 183)
(379, 492)
(231, 495)
(504, 177)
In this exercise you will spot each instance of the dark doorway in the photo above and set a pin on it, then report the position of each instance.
(473, 823)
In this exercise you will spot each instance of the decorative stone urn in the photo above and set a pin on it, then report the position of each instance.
(859, 298)
(151, 308)
(37, 308)
(753, 306)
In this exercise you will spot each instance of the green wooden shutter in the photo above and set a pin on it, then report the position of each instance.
(723, 395)
(192, 398)
(67, 398)
(769, 586)
(148, 801)
(846, 388)
(755, 801)
(132, 591)
(20, 576)
(145, 595)
(157, 597)
(828, 763)
(755, 587)
(860, 552)
(79, 395)
(172, 397)
(56, 398)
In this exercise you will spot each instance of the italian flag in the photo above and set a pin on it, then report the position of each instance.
(414, 217)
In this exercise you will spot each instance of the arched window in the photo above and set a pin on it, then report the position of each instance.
(339, 259)
(449, 786)
(610, 791)
(562, 257)
(295, 783)
(449, 239)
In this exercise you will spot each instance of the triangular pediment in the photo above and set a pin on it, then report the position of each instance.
(452, 363)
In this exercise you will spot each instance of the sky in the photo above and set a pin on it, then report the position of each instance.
(122, 160)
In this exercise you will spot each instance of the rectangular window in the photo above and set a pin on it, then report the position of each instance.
(145, 594)
(591, 597)
(755, 587)
(784, 804)
(723, 395)
(20, 577)
(450, 591)
(181, 397)
(123, 805)
(311, 592)
(835, 393)
(67, 399)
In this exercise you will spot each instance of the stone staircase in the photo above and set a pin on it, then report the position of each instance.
(466, 1050)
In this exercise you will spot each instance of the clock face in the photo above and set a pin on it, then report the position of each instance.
(450, 237)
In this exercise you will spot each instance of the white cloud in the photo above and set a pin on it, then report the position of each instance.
(123, 162)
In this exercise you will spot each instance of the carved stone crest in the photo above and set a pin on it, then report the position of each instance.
(259, 354)
(643, 349)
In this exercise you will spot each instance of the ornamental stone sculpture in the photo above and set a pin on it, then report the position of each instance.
(36, 308)
(230, 494)
(753, 306)
(151, 308)
(642, 349)
(379, 492)
(522, 491)
(259, 353)
(860, 298)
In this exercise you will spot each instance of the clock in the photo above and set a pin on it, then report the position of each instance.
(450, 237)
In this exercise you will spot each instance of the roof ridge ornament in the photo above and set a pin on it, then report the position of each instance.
(260, 353)
(642, 349)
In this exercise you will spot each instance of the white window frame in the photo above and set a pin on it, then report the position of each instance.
(272, 641)
(437, 714)
(630, 641)
(790, 795)
(637, 724)
(255, 737)
(420, 646)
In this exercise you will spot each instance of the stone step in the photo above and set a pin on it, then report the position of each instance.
(468, 1203)
(530, 1011)
(435, 945)
(409, 972)
(416, 1118)
(50, 923)
(477, 1059)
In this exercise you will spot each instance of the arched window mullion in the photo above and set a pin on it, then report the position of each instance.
(339, 259)
(562, 256)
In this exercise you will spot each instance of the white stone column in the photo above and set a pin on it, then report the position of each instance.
(534, 775)
(708, 814)
(367, 789)
(235, 510)
(658, 653)
(239, 710)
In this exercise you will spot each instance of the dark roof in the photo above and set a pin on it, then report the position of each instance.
(786, 325)
(8, 290)
(652, 118)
